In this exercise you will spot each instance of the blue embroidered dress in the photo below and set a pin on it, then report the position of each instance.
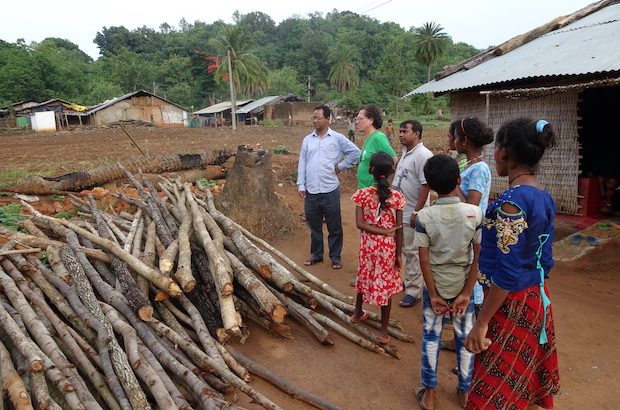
(516, 248)
(520, 367)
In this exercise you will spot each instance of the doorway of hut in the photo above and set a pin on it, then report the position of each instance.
(599, 136)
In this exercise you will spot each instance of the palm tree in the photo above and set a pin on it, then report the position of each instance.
(249, 74)
(344, 74)
(430, 43)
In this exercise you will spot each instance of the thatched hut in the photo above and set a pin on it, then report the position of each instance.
(568, 72)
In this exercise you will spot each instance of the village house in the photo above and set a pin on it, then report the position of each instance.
(138, 106)
(567, 72)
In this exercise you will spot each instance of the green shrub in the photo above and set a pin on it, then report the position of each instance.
(59, 198)
(206, 183)
(280, 150)
(271, 123)
(64, 215)
(11, 215)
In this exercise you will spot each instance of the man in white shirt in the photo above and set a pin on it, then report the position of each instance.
(320, 162)
(409, 179)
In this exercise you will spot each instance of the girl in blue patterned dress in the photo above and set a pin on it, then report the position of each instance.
(470, 137)
(516, 365)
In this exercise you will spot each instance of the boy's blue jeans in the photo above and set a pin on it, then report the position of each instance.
(432, 325)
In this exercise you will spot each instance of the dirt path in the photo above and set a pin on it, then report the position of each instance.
(585, 293)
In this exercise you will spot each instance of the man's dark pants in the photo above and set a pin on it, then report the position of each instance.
(317, 207)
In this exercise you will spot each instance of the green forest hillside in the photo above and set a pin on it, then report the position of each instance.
(341, 56)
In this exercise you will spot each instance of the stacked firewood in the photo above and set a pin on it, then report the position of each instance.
(134, 310)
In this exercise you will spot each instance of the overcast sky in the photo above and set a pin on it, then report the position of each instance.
(478, 22)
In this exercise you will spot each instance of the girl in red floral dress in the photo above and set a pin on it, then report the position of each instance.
(379, 215)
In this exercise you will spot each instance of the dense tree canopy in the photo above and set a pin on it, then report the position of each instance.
(347, 57)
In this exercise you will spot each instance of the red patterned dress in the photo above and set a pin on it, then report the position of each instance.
(377, 277)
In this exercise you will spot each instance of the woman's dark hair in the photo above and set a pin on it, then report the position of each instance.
(374, 113)
(442, 173)
(475, 130)
(381, 167)
(525, 140)
(452, 129)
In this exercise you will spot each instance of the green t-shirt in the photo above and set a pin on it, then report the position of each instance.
(377, 141)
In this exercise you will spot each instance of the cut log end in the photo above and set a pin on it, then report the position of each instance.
(145, 313)
(161, 296)
(36, 366)
(189, 285)
(227, 289)
(174, 290)
(222, 336)
(165, 266)
(265, 271)
(288, 287)
(278, 313)
(328, 341)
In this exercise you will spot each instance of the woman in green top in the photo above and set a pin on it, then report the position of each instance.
(369, 122)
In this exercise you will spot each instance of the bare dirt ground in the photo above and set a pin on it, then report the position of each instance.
(585, 293)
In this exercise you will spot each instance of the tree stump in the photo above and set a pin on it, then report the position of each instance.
(249, 197)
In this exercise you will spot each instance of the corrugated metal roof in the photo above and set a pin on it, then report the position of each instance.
(586, 46)
(113, 101)
(257, 104)
(219, 107)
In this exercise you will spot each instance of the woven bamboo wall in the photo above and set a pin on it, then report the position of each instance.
(559, 167)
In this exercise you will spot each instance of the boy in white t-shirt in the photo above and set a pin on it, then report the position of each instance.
(446, 233)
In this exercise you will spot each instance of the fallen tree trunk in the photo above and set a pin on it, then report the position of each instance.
(76, 181)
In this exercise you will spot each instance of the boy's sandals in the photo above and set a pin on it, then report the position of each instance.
(408, 301)
(361, 318)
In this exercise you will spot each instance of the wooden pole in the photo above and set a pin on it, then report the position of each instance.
(487, 95)
(233, 97)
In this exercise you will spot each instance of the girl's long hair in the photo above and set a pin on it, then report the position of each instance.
(381, 167)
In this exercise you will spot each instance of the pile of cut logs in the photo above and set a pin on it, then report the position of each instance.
(134, 310)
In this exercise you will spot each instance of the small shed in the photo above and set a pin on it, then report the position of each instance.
(219, 114)
(566, 71)
(8, 118)
(292, 110)
(65, 113)
(138, 106)
(255, 111)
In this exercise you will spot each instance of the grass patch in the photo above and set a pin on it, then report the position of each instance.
(11, 215)
(271, 123)
(64, 215)
(10, 176)
(45, 261)
(59, 198)
(280, 150)
(206, 183)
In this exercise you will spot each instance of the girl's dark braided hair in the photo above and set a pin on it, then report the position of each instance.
(525, 140)
(381, 167)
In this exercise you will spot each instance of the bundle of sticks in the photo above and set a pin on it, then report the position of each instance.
(135, 310)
